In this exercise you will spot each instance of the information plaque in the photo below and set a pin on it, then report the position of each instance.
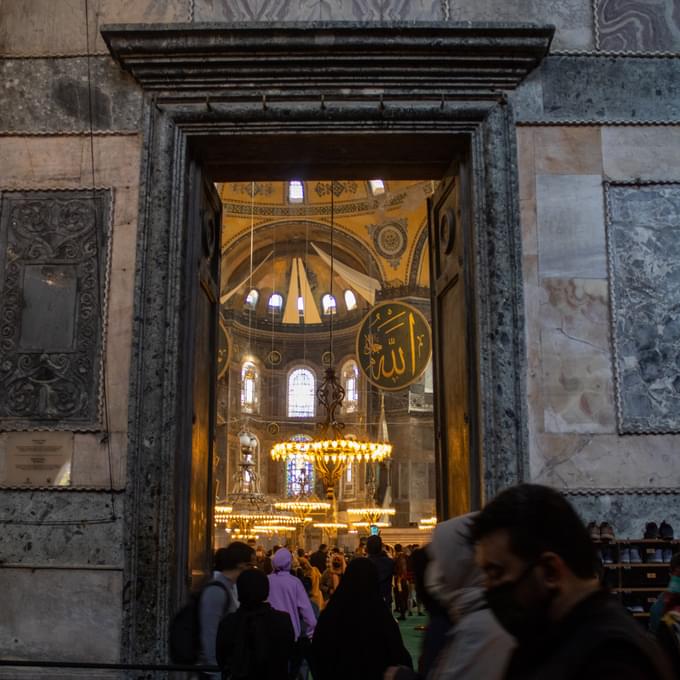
(38, 459)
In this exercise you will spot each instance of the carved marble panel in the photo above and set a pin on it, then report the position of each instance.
(318, 10)
(53, 272)
(643, 232)
(639, 25)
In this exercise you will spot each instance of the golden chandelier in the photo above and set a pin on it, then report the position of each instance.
(331, 452)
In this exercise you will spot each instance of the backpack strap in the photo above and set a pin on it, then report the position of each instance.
(228, 599)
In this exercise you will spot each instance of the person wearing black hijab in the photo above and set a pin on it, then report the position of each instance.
(356, 635)
(255, 642)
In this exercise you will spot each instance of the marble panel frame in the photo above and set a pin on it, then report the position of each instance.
(177, 115)
(646, 370)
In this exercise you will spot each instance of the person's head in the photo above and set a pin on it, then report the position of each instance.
(253, 588)
(360, 582)
(337, 562)
(675, 564)
(536, 555)
(323, 548)
(300, 552)
(235, 558)
(282, 560)
(398, 548)
(260, 553)
(374, 545)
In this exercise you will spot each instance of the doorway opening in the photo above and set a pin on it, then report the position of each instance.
(300, 257)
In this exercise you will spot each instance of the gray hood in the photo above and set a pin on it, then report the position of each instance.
(452, 577)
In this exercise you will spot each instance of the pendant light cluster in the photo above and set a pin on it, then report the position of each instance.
(331, 451)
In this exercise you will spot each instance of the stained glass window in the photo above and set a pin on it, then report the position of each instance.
(301, 387)
(299, 473)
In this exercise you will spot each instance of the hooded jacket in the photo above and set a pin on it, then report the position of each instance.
(477, 647)
(287, 594)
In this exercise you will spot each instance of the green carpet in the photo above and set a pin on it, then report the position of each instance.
(413, 639)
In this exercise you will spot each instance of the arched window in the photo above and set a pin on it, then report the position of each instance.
(275, 303)
(250, 388)
(350, 300)
(299, 472)
(350, 381)
(301, 388)
(328, 304)
(252, 298)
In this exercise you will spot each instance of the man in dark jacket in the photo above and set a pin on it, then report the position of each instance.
(542, 586)
(319, 558)
(256, 642)
(384, 565)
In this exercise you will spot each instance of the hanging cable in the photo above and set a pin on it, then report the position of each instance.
(330, 355)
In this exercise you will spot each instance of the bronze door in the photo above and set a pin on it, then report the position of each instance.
(452, 313)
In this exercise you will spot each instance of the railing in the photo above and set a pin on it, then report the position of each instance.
(149, 671)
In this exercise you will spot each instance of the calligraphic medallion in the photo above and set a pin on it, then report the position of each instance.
(394, 344)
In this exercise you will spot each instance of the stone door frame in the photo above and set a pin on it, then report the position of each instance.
(207, 85)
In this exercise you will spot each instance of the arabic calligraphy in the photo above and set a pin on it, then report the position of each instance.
(394, 345)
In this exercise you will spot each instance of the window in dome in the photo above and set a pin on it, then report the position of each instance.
(250, 387)
(328, 304)
(377, 186)
(301, 387)
(252, 299)
(296, 191)
(275, 302)
(301, 305)
(350, 300)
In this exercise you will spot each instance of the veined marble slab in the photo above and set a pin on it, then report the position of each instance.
(644, 260)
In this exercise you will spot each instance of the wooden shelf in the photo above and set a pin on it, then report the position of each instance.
(638, 541)
(637, 565)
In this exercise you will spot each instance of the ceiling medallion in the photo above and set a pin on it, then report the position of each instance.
(390, 240)
(274, 357)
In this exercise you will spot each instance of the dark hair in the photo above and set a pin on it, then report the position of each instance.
(675, 561)
(398, 547)
(374, 545)
(253, 588)
(234, 554)
(323, 546)
(538, 519)
(300, 552)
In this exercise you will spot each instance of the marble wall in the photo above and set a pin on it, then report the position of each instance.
(643, 233)
(574, 438)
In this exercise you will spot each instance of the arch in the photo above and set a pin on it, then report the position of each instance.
(350, 300)
(250, 387)
(252, 299)
(300, 477)
(329, 304)
(349, 378)
(301, 393)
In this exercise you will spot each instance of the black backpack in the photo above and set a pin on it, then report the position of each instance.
(185, 628)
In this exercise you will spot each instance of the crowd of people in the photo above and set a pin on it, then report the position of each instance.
(511, 592)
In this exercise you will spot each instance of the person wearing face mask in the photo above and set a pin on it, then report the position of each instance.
(540, 569)
(475, 647)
